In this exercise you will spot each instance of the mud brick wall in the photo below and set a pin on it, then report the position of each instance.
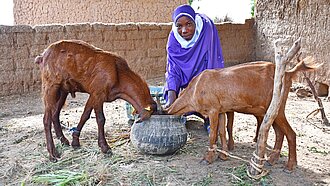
(143, 45)
(289, 20)
(238, 42)
(37, 12)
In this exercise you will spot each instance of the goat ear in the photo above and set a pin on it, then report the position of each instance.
(310, 62)
(299, 57)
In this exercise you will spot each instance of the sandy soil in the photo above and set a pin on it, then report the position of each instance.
(23, 155)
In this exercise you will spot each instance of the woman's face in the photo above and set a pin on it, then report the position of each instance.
(186, 27)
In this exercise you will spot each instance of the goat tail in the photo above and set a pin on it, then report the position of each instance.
(306, 64)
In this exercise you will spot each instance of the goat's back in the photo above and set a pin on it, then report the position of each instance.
(242, 88)
(78, 64)
(245, 88)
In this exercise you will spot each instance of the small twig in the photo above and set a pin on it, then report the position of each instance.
(236, 177)
(314, 112)
(321, 128)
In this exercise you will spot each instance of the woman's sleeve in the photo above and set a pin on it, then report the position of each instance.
(172, 78)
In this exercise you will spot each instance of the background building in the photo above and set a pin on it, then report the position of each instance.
(36, 12)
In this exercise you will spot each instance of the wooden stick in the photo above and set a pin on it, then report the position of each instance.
(272, 111)
(324, 117)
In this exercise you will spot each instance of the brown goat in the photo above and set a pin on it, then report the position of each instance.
(245, 88)
(71, 66)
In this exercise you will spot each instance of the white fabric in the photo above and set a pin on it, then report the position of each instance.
(183, 14)
(184, 43)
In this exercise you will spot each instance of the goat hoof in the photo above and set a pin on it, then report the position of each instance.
(273, 158)
(210, 157)
(204, 162)
(289, 168)
(267, 163)
(53, 158)
(223, 156)
(75, 147)
(106, 150)
(287, 171)
(65, 141)
(75, 143)
(230, 146)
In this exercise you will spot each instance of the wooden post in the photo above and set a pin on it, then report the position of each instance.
(321, 108)
(255, 169)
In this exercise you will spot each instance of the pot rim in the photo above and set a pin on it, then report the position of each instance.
(166, 116)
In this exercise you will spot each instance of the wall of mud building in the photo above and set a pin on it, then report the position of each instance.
(289, 20)
(37, 12)
(143, 45)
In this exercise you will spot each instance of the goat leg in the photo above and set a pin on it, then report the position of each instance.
(84, 117)
(56, 119)
(100, 119)
(291, 138)
(230, 122)
(53, 155)
(222, 131)
(214, 127)
(50, 102)
(259, 121)
(275, 154)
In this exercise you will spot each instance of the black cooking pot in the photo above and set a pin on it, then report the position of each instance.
(159, 135)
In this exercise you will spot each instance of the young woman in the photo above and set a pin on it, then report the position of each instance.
(193, 46)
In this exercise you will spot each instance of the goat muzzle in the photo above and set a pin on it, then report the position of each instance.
(145, 114)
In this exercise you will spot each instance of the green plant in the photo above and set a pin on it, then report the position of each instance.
(240, 177)
(253, 4)
(207, 180)
(61, 178)
(315, 150)
(284, 153)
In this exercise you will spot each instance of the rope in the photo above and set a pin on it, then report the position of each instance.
(256, 177)
(74, 130)
(258, 167)
(232, 156)
(258, 158)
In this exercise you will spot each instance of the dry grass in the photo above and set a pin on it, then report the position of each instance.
(24, 158)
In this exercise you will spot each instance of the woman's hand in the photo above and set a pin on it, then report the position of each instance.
(171, 97)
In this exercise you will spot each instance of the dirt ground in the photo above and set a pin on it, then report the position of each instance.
(24, 158)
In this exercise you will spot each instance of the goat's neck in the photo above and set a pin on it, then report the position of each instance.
(135, 103)
(130, 92)
(180, 106)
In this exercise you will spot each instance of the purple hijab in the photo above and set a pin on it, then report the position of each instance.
(185, 63)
